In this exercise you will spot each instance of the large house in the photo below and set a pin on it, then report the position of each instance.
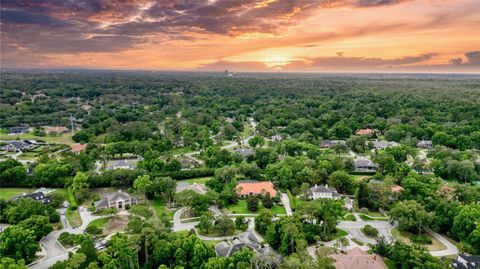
(382, 144)
(189, 162)
(465, 261)
(247, 239)
(246, 188)
(77, 148)
(56, 129)
(357, 259)
(367, 132)
(244, 152)
(17, 130)
(119, 200)
(37, 196)
(426, 144)
(323, 192)
(121, 164)
(365, 165)
(19, 145)
(330, 143)
(196, 187)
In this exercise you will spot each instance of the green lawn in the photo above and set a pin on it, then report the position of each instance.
(241, 208)
(160, 208)
(7, 193)
(358, 242)
(340, 233)
(73, 215)
(368, 218)
(99, 223)
(405, 238)
(202, 180)
(218, 234)
(64, 139)
(349, 217)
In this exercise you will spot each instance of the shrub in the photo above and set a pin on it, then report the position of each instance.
(267, 201)
(241, 223)
(364, 210)
(68, 239)
(421, 239)
(252, 203)
(141, 210)
(94, 230)
(73, 207)
(370, 231)
(96, 197)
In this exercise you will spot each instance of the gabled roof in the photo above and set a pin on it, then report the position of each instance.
(364, 162)
(18, 145)
(78, 147)
(246, 239)
(116, 196)
(244, 152)
(367, 131)
(324, 189)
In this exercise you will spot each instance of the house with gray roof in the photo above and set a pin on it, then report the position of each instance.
(19, 145)
(382, 144)
(365, 165)
(244, 152)
(36, 196)
(246, 239)
(323, 192)
(121, 164)
(119, 200)
(17, 130)
(426, 144)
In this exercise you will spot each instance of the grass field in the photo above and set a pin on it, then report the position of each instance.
(369, 218)
(73, 215)
(63, 139)
(161, 209)
(7, 193)
(202, 180)
(340, 233)
(99, 223)
(241, 208)
(349, 217)
(405, 238)
(358, 242)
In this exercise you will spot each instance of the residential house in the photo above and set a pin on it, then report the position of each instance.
(122, 164)
(196, 187)
(247, 239)
(37, 196)
(56, 129)
(246, 188)
(19, 145)
(323, 192)
(465, 261)
(229, 120)
(119, 200)
(77, 148)
(426, 144)
(382, 144)
(189, 162)
(244, 152)
(365, 165)
(348, 203)
(367, 132)
(357, 259)
(330, 143)
(276, 137)
(17, 130)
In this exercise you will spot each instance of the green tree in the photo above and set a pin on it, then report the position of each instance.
(39, 224)
(206, 223)
(142, 184)
(18, 243)
(80, 186)
(252, 203)
(256, 141)
(411, 216)
(342, 181)
(262, 221)
(224, 225)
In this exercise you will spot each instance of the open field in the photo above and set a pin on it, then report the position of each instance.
(241, 208)
(160, 208)
(63, 139)
(202, 180)
(7, 193)
(405, 238)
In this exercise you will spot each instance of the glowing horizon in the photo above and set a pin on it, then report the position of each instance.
(244, 35)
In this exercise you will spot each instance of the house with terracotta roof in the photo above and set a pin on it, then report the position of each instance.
(246, 188)
(76, 148)
(56, 129)
(367, 132)
(357, 259)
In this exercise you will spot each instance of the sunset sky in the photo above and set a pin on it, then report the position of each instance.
(243, 35)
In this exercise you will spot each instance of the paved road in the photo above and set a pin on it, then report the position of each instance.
(286, 203)
(50, 245)
(451, 248)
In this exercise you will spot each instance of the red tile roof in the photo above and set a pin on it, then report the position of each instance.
(56, 129)
(249, 188)
(78, 147)
(364, 131)
(357, 259)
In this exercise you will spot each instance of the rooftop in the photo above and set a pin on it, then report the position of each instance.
(247, 188)
(357, 259)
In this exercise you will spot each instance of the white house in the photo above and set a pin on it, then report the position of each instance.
(323, 192)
